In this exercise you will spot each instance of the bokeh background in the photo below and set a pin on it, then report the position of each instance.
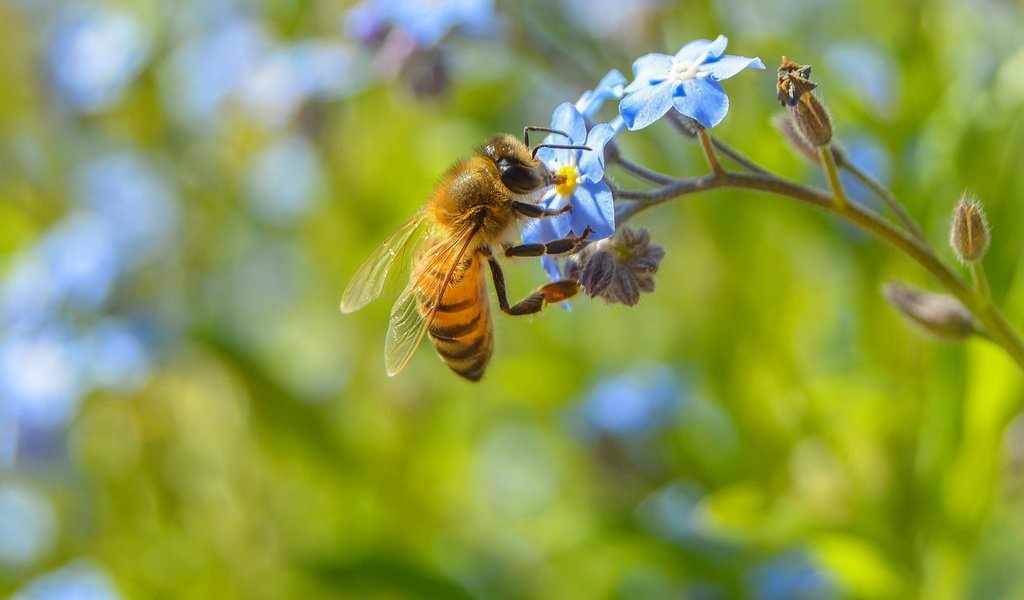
(187, 185)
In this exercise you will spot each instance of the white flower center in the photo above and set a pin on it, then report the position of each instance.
(684, 70)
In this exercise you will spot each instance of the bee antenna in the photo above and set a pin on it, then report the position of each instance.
(558, 147)
(529, 128)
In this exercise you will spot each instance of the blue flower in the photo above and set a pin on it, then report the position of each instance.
(94, 56)
(792, 576)
(41, 378)
(284, 179)
(79, 579)
(582, 187)
(687, 81)
(611, 87)
(426, 22)
(633, 403)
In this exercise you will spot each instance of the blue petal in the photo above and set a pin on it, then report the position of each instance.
(554, 157)
(729, 65)
(592, 163)
(593, 206)
(649, 68)
(566, 118)
(538, 231)
(696, 48)
(647, 104)
(703, 100)
(611, 85)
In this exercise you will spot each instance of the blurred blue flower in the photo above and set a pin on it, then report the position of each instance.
(633, 403)
(687, 81)
(867, 73)
(284, 179)
(135, 199)
(792, 576)
(868, 154)
(27, 525)
(82, 260)
(117, 357)
(426, 22)
(28, 296)
(79, 580)
(41, 377)
(328, 70)
(583, 187)
(613, 18)
(673, 512)
(94, 55)
(610, 87)
(203, 72)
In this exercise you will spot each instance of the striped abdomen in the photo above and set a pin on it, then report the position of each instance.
(461, 330)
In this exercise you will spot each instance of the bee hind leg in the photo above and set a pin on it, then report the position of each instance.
(567, 245)
(556, 291)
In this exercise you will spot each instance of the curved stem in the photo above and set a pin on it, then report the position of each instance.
(980, 281)
(641, 171)
(828, 160)
(709, 151)
(736, 156)
(883, 194)
(986, 314)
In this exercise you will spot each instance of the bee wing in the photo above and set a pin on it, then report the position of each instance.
(408, 326)
(369, 280)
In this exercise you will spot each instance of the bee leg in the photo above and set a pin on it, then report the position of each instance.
(538, 212)
(566, 245)
(555, 291)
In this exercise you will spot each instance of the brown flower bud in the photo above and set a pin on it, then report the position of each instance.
(969, 235)
(942, 316)
(784, 125)
(619, 268)
(794, 91)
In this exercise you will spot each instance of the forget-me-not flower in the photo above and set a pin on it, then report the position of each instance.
(425, 22)
(611, 87)
(688, 81)
(582, 181)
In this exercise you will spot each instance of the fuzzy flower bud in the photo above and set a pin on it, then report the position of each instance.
(618, 268)
(969, 235)
(942, 316)
(794, 90)
(784, 125)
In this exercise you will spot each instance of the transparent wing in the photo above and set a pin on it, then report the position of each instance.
(369, 280)
(408, 326)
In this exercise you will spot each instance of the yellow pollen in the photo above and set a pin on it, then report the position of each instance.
(567, 176)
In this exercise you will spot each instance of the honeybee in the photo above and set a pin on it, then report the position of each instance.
(478, 206)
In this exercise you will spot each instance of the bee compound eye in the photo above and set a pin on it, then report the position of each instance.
(520, 179)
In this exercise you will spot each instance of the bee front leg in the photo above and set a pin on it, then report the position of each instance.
(566, 245)
(555, 291)
(538, 212)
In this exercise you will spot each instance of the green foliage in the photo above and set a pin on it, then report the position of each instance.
(269, 457)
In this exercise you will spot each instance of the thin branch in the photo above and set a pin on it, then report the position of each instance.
(886, 197)
(737, 157)
(708, 148)
(986, 313)
(828, 160)
(641, 171)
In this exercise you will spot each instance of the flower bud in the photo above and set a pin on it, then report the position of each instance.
(794, 90)
(619, 268)
(969, 234)
(942, 316)
(784, 125)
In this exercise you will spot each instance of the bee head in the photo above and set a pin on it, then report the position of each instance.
(518, 169)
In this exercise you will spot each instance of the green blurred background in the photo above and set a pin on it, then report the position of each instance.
(186, 187)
